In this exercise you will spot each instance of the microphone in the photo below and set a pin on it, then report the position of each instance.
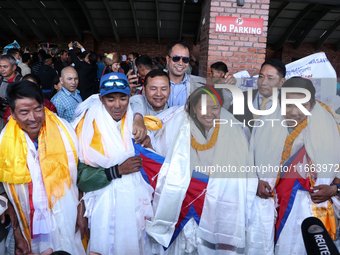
(316, 238)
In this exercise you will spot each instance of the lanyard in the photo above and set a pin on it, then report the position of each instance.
(74, 96)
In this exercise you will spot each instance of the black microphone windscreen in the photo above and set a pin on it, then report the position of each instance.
(316, 238)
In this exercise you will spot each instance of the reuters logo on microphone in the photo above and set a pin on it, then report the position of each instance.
(315, 229)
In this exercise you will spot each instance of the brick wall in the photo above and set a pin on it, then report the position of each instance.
(238, 51)
(147, 46)
(204, 40)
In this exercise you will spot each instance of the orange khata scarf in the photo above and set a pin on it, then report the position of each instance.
(152, 122)
(52, 156)
(325, 214)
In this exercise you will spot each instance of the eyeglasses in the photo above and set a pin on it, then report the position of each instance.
(178, 58)
(109, 84)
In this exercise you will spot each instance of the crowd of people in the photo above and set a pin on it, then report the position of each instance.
(132, 155)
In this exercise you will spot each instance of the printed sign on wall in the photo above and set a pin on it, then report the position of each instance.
(239, 25)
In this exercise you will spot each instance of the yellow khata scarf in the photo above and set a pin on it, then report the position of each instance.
(326, 214)
(152, 122)
(52, 156)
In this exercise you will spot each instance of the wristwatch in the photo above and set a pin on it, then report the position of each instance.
(338, 188)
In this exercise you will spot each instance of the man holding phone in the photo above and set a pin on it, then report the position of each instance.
(87, 70)
(144, 66)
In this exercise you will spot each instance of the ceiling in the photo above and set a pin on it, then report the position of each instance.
(312, 21)
(296, 21)
(102, 18)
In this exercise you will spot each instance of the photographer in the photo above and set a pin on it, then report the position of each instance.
(87, 70)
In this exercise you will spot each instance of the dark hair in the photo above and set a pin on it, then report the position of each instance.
(46, 57)
(60, 253)
(154, 73)
(145, 61)
(220, 66)
(33, 77)
(193, 100)
(56, 80)
(62, 52)
(299, 82)
(23, 89)
(181, 42)
(134, 54)
(41, 54)
(278, 65)
(13, 51)
(8, 57)
(35, 57)
(26, 57)
(92, 58)
(157, 59)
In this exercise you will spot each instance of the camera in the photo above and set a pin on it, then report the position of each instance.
(74, 45)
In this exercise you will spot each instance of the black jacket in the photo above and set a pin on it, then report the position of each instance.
(60, 65)
(87, 74)
(47, 75)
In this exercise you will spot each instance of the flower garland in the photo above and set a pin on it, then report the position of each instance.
(290, 139)
(202, 147)
(289, 144)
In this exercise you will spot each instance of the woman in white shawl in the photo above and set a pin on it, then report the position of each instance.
(209, 205)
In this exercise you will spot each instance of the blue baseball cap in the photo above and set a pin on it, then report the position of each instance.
(114, 82)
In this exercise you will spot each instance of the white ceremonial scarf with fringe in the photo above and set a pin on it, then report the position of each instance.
(322, 143)
(117, 212)
(225, 216)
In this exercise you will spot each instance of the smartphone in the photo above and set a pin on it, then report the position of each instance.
(74, 45)
(132, 67)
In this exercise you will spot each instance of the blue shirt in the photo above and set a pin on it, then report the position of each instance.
(100, 69)
(66, 103)
(178, 94)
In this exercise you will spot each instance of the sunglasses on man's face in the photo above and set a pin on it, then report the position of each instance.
(178, 58)
(109, 84)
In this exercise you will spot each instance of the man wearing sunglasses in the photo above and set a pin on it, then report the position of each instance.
(178, 63)
(181, 83)
(117, 199)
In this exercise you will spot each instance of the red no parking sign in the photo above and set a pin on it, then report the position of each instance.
(239, 25)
